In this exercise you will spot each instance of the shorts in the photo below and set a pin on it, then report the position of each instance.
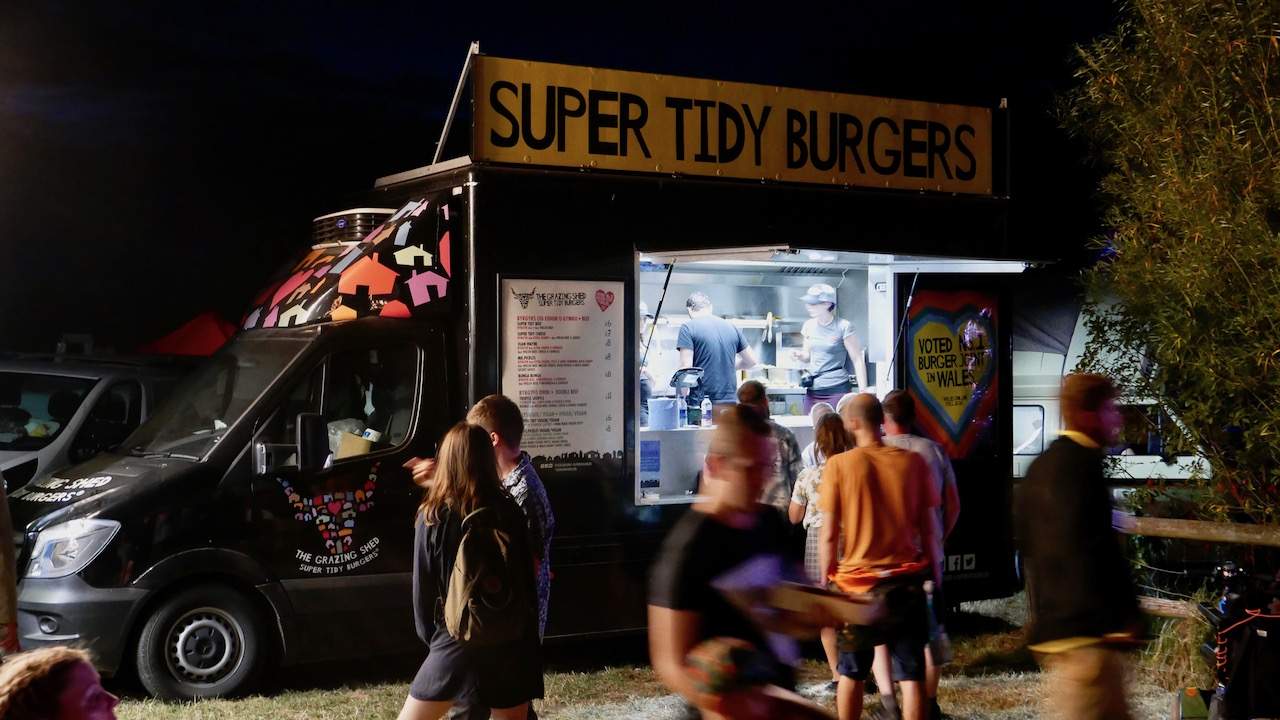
(905, 630)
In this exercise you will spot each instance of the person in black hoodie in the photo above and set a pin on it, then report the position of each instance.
(1082, 600)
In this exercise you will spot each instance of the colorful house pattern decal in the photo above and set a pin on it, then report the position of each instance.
(334, 513)
(403, 268)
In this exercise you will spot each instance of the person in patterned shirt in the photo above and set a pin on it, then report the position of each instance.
(789, 462)
(501, 418)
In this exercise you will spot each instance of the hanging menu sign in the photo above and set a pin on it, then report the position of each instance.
(562, 362)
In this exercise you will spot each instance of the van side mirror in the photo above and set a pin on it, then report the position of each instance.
(313, 441)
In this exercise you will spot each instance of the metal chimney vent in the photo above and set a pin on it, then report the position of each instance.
(347, 225)
(805, 270)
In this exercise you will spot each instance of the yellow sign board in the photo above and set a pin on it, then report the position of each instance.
(568, 116)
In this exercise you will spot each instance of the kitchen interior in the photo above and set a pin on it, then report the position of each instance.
(759, 290)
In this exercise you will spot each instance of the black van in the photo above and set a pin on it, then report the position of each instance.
(263, 515)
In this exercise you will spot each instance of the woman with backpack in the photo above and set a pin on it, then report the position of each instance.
(475, 603)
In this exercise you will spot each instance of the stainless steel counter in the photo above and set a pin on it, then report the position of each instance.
(670, 460)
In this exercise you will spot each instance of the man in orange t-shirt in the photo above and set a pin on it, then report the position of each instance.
(881, 501)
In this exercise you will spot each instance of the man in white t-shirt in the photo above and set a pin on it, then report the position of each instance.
(899, 420)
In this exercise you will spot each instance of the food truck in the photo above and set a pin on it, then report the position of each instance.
(264, 515)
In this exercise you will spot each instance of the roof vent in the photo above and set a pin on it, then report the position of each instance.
(805, 270)
(347, 225)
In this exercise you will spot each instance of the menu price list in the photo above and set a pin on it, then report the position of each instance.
(562, 365)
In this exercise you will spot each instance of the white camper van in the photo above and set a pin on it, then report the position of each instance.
(1152, 444)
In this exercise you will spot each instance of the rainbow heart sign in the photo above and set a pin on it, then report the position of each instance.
(952, 366)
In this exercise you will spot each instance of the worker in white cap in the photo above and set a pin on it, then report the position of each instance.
(831, 349)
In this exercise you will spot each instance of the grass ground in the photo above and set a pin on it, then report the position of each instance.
(993, 677)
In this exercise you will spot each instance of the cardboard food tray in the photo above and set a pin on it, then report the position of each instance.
(805, 599)
(352, 445)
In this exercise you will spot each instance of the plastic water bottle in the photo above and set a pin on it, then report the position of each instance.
(684, 413)
(706, 412)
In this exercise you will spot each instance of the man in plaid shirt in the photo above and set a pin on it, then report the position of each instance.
(789, 463)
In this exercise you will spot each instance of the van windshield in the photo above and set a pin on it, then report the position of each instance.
(210, 401)
(35, 407)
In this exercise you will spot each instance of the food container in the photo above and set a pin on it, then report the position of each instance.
(664, 413)
(781, 377)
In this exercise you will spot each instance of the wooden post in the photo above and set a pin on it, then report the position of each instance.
(1239, 533)
(1162, 607)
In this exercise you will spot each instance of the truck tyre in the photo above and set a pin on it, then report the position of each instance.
(205, 642)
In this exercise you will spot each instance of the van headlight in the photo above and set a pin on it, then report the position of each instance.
(67, 548)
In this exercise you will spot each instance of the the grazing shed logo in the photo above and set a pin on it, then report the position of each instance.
(553, 299)
(333, 514)
(524, 297)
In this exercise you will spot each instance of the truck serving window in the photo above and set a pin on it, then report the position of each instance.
(211, 400)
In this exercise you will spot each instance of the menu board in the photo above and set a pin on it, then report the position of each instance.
(562, 362)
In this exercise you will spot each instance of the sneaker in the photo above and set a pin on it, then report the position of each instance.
(818, 690)
(883, 713)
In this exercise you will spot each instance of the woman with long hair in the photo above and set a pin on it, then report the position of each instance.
(504, 677)
(53, 682)
(831, 438)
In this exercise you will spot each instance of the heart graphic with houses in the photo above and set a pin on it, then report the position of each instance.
(334, 513)
(951, 361)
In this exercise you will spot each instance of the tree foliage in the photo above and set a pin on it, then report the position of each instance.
(1182, 107)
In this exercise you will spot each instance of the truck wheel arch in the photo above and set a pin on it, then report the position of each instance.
(233, 569)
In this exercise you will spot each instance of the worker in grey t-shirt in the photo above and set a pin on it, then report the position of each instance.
(715, 345)
(830, 343)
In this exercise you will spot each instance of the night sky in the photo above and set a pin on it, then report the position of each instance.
(161, 159)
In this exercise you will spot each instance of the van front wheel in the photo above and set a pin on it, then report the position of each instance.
(204, 642)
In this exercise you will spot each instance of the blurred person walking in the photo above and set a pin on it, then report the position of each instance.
(463, 496)
(1082, 600)
(693, 628)
(879, 500)
(53, 683)
(899, 421)
(832, 439)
